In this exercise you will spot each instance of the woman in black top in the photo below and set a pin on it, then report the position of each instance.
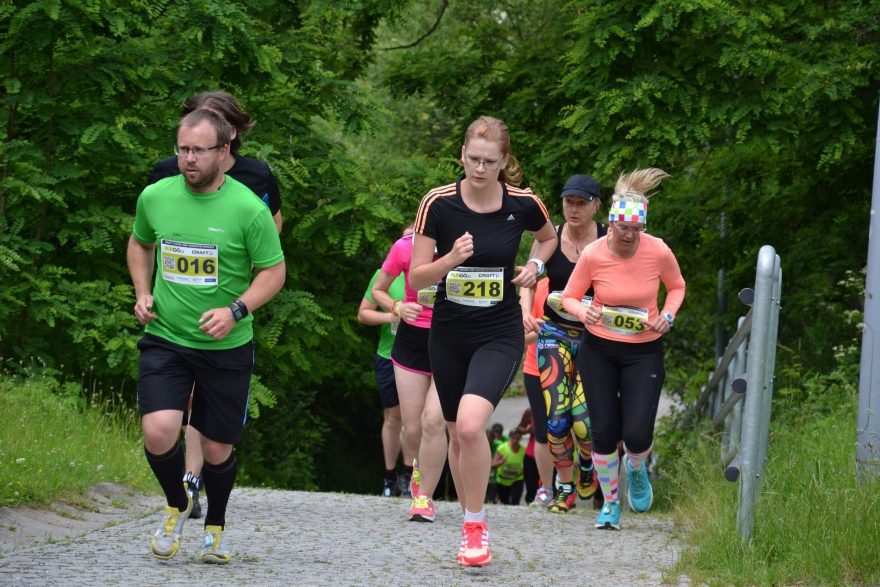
(477, 332)
(562, 399)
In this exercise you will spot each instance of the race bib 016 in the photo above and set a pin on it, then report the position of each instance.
(554, 300)
(475, 286)
(189, 263)
(624, 319)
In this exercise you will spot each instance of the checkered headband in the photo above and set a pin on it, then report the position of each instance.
(628, 211)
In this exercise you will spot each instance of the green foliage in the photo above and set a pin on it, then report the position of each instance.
(763, 114)
(90, 101)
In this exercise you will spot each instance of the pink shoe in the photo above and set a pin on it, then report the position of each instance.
(422, 509)
(475, 545)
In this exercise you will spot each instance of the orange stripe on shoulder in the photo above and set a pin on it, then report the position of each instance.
(527, 193)
(430, 198)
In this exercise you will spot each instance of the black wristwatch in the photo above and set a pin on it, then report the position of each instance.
(239, 310)
(669, 318)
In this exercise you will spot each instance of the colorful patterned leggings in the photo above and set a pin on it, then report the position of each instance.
(564, 398)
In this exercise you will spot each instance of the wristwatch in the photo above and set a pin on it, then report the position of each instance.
(669, 318)
(538, 263)
(238, 309)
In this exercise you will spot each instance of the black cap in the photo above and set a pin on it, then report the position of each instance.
(582, 185)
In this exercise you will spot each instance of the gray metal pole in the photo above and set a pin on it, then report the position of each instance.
(754, 430)
(868, 418)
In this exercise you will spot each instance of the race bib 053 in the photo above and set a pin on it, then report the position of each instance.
(624, 319)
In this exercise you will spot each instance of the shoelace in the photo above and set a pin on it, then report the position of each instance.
(586, 476)
(171, 521)
(420, 503)
(474, 532)
(211, 540)
(638, 480)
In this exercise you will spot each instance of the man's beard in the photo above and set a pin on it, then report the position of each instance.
(209, 177)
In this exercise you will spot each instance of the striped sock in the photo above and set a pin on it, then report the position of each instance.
(636, 458)
(608, 469)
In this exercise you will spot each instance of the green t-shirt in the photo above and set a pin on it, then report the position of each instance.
(206, 246)
(510, 470)
(386, 335)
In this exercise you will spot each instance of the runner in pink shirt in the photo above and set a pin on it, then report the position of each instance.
(623, 349)
(424, 429)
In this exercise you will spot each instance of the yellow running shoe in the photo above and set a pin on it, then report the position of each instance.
(166, 540)
(214, 549)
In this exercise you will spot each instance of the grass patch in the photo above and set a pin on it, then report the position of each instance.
(57, 443)
(814, 524)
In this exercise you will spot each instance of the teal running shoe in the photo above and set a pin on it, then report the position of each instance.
(609, 516)
(639, 492)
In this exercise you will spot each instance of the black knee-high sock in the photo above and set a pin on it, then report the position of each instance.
(168, 469)
(218, 481)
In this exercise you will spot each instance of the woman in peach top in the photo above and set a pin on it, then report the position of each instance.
(623, 345)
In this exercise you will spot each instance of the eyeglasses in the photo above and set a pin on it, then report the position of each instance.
(633, 229)
(199, 152)
(489, 164)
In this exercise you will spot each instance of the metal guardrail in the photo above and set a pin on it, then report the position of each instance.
(738, 393)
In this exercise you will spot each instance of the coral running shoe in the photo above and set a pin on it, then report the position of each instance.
(166, 540)
(421, 509)
(475, 545)
(415, 479)
(542, 498)
(587, 483)
(214, 548)
(565, 499)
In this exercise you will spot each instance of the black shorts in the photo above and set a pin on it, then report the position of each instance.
(477, 364)
(384, 370)
(167, 371)
(410, 350)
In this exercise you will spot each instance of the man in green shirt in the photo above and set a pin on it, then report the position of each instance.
(217, 258)
(369, 313)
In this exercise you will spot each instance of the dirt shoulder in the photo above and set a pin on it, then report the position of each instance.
(105, 505)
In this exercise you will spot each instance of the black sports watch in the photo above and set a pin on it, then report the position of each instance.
(239, 310)
(669, 318)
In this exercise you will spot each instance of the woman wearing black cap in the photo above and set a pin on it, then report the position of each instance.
(561, 397)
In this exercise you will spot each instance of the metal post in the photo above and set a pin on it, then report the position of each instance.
(868, 419)
(770, 366)
(754, 431)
